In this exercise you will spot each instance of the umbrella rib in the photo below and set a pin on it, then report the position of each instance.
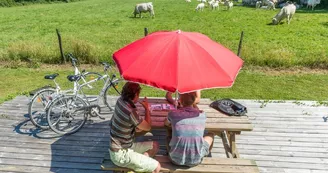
(196, 43)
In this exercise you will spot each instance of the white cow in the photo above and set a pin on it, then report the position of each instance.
(312, 3)
(286, 12)
(143, 8)
(200, 7)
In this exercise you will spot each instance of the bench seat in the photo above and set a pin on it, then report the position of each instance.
(208, 165)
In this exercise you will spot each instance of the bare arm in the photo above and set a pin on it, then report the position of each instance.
(145, 125)
(169, 98)
(198, 96)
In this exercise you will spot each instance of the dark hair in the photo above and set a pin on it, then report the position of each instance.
(129, 91)
(188, 99)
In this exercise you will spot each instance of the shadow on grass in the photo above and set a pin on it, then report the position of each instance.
(325, 24)
(271, 24)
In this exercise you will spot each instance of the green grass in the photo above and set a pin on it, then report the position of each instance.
(250, 84)
(94, 29)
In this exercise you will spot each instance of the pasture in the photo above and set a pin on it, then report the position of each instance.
(94, 29)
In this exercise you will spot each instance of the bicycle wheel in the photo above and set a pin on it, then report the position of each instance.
(92, 88)
(112, 92)
(67, 114)
(37, 107)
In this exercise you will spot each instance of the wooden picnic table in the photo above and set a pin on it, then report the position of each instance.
(227, 127)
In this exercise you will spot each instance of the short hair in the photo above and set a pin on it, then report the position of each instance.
(130, 90)
(188, 99)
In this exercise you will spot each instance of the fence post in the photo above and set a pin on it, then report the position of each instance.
(146, 31)
(240, 43)
(60, 47)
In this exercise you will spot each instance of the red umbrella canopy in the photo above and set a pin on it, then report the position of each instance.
(178, 61)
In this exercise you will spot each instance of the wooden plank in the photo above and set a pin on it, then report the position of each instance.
(292, 165)
(282, 143)
(212, 169)
(284, 134)
(39, 157)
(226, 165)
(40, 169)
(52, 164)
(283, 130)
(205, 161)
(215, 127)
(281, 148)
(294, 154)
(300, 160)
(14, 149)
(292, 139)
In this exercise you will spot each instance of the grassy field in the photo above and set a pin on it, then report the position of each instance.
(250, 84)
(94, 29)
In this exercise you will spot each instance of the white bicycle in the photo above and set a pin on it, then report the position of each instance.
(68, 113)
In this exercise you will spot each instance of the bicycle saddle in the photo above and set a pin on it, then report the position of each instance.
(51, 76)
(73, 78)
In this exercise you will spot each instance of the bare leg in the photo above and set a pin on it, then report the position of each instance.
(152, 152)
(157, 169)
(209, 138)
(168, 138)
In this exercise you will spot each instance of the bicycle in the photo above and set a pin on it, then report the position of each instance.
(68, 113)
(38, 104)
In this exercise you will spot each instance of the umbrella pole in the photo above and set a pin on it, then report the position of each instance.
(176, 98)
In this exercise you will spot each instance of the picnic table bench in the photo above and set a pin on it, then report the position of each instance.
(208, 165)
(226, 127)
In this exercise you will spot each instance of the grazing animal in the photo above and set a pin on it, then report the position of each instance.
(188, 0)
(271, 5)
(228, 4)
(312, 3)
(210, 2)
(215, 5)
(143, 8)
(200, 7)
(258, 4)
(274, 1)
(286, 12)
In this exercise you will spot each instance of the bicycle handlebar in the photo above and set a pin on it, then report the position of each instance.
(106, 66)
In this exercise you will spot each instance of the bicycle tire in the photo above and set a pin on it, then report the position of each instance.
(63, 111)
(37, 107)
(111, 93)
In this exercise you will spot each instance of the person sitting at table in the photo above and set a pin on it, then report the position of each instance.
(169, 98)
(187, 144)
(125, 122)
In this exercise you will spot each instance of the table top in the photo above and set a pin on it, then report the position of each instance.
(216, 121)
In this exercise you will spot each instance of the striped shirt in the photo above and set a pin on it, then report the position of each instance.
(188, 126)
(123, 124)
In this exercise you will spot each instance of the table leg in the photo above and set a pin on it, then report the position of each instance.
(226, 144)
(233, 146)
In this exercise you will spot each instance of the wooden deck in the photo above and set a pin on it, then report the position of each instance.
(287, 137)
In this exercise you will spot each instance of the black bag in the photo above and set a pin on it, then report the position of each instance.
(229, 107)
